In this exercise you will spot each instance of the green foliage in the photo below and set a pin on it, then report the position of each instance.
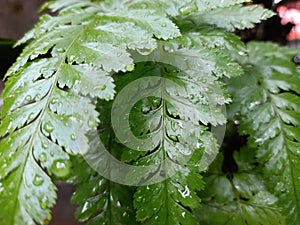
(61, 102)
(268, 109)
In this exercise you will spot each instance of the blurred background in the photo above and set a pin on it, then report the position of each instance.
(18, 16)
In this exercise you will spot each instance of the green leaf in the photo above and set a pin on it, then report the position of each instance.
(238, 198)
(231, 17)
(101, 201)
(265, 99)
(169, 124)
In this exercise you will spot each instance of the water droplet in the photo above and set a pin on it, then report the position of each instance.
(163, 25)
(44, 202)
(254, 104)
(28, 98)
(118, 204)
(31, 116)
(185, 10)
(129, 67)
(60, 168)
(27, 196)
(60, 50)
(173, 137)
(145, 109)
(183, 214)
(85, 207)
(72, 58)
(103, 87)
(192, 96)
(48, 127)
(186, 192)
(42, 157)
(236, 122)
(144, 51)
(54, 101)
(92, 123)
(73, 137)
(44, 145)
(108, 97)
(38, 180)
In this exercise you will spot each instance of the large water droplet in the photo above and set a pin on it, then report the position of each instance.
(60, 168)
(38, 180)
(129, 67)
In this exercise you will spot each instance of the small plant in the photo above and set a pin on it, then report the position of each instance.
(129, 100)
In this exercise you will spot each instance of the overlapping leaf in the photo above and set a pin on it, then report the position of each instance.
(231, 17)
(241, 198)
(265, 100)
(171, 121)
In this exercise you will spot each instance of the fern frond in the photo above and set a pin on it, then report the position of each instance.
(231, 17)
(172, 122)
(101, 201)
(238, 198)
(265, 100)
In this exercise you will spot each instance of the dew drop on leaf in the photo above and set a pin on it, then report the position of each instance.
(72, 58)
(92, 123)
(54, 101)
(60, 50)
(60, 168)
(42, 157)
(73, 137)
(48, 127)
(44, 202)
(173, 138)
(28, 98)
(31, 116)
(103, 87)
(38, 180)
(44, 145)
(163, 25)
(85, 207)
(129, 67)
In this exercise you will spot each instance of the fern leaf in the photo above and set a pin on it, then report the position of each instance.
(173, 123)
(238, 198)
(231, 17)
(267, 103)
(101, 201)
